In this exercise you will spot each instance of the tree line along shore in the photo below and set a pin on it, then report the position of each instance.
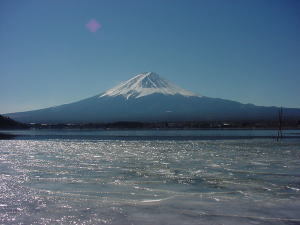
(7, 123)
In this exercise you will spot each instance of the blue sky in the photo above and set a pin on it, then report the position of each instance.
(248, 51)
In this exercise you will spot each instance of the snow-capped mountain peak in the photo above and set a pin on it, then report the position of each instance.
(146, 84)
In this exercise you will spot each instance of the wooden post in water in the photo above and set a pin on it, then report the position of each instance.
(280, 119)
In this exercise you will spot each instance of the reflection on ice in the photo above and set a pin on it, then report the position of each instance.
(149, 182)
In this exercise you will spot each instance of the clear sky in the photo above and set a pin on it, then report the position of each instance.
(243, 50)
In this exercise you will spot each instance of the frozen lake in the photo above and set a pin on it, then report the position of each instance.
(122, 177)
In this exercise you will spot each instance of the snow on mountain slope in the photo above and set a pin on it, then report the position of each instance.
(146, 84)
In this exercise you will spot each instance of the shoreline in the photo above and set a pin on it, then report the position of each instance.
(78, 134)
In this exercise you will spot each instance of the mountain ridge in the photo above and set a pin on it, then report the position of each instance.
(148, 97)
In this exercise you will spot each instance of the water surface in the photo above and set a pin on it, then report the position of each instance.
(119, 181)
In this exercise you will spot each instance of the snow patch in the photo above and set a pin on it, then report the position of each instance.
(146, 84)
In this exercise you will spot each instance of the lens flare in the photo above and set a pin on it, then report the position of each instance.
(93, 25)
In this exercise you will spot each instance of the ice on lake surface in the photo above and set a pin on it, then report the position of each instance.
(86, 181)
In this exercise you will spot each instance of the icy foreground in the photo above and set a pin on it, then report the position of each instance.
(146, 84)
(119, 182)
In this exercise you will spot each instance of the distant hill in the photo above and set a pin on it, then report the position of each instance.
(149, 98)
(8, 123)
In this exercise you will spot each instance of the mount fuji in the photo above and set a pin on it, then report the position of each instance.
(148, 97)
